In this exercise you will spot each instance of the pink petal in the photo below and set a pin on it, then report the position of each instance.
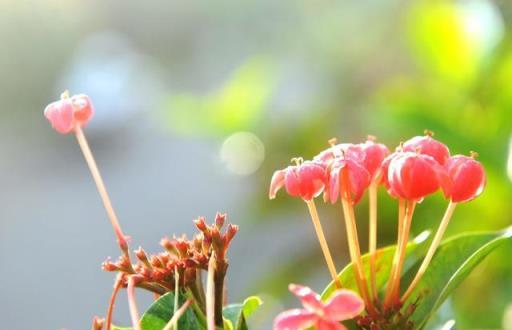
(276, 183)
(292, 181)
(334, 184)
(359, 180)
(343, 305)
(295, 319)
(312, 180)
(84, 109)
(309, 298)
(60, 115)
(329, 325)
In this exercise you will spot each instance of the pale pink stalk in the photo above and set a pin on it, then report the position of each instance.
(89, 158)
(117, 286)
(210, 294)
(134, 311)
(173, 322)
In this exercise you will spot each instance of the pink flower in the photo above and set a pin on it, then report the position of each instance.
(68, 113)
(413, 176)
(306, 180)
(348, 177)
(374, 155)
(467, 179)
(343, 305)
(428, 146)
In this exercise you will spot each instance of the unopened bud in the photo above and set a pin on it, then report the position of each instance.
(109, 266)
(201, 224)
(97, 323)
(219, 220)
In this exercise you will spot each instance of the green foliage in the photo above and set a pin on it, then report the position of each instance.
(452, 263)
(415, 250)
(161, 312)
(236, 314)
(454, 260)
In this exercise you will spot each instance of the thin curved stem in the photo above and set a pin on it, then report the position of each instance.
(402, 248)
(355, 254)
(372, 193)
(176, 294)
(173, 322)
(323, 242)
(89, 158)
(401, 214)
(210, 294)
(431, 250)
(132, 302)
(117, 286)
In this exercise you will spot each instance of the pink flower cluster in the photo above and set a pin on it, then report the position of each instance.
(419, 167)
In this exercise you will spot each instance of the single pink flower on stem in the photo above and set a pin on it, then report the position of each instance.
(467, 178)
(357, 175)
(413, 176)
(374, 155)
(342, 305)
(427, 145)
(69, 113)
(305, 180)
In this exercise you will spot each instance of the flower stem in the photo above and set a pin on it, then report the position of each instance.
(323, 242)
(210, 294)
(431, 250)
(373, 237)
(401, 214)
(89, 158)
(402, 248)
(173, 322)
(134, 311)
(176, 295)
(117, 286)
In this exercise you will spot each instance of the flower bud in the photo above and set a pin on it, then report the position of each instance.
(467, 179)
(413, 176)
(68, 113)
(428, 146)
(306, 180)
(348, 178)
(219, 220)
(374, 155)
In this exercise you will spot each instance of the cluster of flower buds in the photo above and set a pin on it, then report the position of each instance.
(416, 169)
(182, 256)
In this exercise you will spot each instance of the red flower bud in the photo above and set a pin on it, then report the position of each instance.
(374, 155)
(428, 146)
(328, 155)
(467, 179)
(68, 113)
(413, 176)
(219, 220)
(306, 180)
(356, 176)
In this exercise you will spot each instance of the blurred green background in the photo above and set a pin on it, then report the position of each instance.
(198, 102)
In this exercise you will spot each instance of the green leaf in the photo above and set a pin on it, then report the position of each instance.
(161, 311)
(384, 259)
(236, 314)
(452, 263)
(115, 327)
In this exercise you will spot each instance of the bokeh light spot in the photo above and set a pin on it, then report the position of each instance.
(242, 153)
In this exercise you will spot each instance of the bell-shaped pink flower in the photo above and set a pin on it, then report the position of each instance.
(343, 305)
(373, 156)
(306, 180)
(413, 176)
(347, 176)
(466, 179)
(328, 155)
(429, 146)
(69, 113)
